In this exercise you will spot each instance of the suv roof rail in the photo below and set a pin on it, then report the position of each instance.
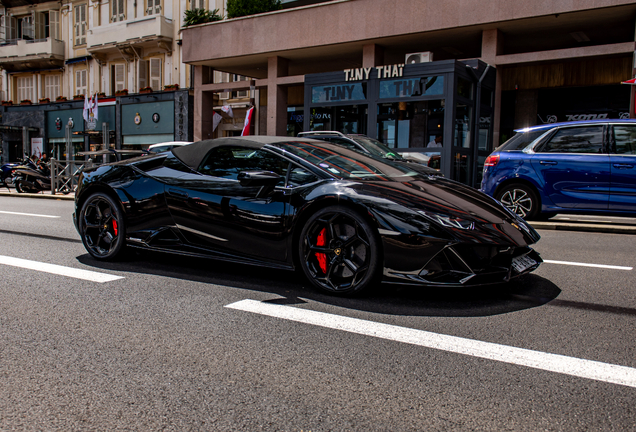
(321, 133)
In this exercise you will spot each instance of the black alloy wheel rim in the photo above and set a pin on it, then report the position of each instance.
(100, 227)
(519, 201)
(337, 252)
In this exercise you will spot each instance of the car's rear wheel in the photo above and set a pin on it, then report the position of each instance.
(339, 251)
(102, 226)
(520, 199)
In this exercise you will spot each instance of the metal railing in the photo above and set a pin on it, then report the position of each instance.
(65, 174)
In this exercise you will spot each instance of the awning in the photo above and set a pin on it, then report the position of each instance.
(78, 59)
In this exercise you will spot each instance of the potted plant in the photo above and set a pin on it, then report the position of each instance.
(171, 87)
(44, 100)
(7, 103)
(101, 95)
(61, 99)
(78, 97)
(123, 92)
(25, 102)
(145, 90)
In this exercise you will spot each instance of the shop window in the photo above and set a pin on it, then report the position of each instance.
(51, 86)
(150, 73)
(349, 119)
(81, 79)
(118, 77)
(80, 24)
(118, 10)
(153, 7)
(464, 88)
(463, 125)
(24, 87)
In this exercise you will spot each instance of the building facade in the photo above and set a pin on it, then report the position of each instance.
(549, 61)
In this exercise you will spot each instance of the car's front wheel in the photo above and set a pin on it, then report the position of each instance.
(520, 199)
(339, 251)
(102, 226)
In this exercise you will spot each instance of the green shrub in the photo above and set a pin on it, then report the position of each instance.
(239, 8)
(200, 16)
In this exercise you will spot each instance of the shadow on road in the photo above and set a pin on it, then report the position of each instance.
(524, 293)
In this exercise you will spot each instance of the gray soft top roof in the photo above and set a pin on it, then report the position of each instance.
(193, 154)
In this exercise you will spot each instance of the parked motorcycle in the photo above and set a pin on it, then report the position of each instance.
(6, 173)
(28, 177)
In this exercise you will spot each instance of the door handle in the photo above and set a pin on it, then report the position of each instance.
(548, 162)
(623, 166)
(178, 193)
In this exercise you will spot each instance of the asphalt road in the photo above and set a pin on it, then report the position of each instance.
(159, 348)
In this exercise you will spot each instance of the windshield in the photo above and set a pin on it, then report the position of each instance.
(375, 147)
(349, 164)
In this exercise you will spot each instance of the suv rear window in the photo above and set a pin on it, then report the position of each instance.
(520, 141)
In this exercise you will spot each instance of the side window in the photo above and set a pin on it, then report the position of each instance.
(299, 176)
(344, 143)
(625, 139)
(587, 139)
(228, 162)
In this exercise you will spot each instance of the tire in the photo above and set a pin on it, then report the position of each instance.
(520, 199)
(18, 187)
(339, 251)
(102, 227)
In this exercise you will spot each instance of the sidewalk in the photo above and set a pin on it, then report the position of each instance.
(563, 222)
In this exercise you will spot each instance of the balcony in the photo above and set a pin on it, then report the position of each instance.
(21, 55)
(144, 32)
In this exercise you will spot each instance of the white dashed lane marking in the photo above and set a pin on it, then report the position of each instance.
(573, 366)
(572, 263)
(59, 270)
(29, 214)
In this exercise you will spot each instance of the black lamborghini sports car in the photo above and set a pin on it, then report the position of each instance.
(345, 218)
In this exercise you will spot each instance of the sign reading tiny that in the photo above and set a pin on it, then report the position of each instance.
(359, 74)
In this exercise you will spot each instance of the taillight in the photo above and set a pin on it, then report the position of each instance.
(491, 160)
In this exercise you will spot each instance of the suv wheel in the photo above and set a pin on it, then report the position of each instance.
(520, 199)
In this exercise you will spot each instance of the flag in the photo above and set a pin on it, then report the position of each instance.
(216, 119)
(248, 122)
(631, 81)
(87, 107)
(95, 107)
(227, 110)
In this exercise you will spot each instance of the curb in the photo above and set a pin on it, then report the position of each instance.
(585, 227)
(70, 197)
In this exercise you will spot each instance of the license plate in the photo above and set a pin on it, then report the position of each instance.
(522, 263)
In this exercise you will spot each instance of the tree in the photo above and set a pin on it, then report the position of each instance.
(239, 8)
(200, 16)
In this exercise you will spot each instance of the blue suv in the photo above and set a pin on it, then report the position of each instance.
(574, 167)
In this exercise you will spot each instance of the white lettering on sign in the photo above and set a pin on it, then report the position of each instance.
(359, 74)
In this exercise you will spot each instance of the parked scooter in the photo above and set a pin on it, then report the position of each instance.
(28, 177)
(6, 172)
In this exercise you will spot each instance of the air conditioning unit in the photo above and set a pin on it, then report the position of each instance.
(421, 57)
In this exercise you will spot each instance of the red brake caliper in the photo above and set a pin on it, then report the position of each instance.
(115, 226)
(321, 257)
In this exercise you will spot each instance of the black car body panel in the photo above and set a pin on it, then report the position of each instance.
(433, 230)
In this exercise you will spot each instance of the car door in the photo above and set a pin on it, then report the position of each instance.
(573, 167)
(623, 168)
(213, 211)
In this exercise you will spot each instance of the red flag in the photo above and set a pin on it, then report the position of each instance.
(248, 122)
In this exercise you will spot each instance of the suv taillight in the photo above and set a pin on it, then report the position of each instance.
(491, 161)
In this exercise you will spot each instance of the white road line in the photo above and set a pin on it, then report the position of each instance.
(58, 270)
(613, 267)
(29, 214)
(581, 368)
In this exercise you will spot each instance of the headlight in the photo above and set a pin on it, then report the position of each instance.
(448, 221)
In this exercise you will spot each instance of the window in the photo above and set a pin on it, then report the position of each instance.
(51, 86)
(196, 4)
(118, 10)
(587, 139)
(81, 87)
(150, 73)
(153, 7)
(25, 88)
(242, 93)
(625, 139)
(227, 162)
(53, 27)
(80, 24)
(118, 77)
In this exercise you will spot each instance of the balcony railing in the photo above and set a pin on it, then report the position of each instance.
(23, 50)
(131, 31)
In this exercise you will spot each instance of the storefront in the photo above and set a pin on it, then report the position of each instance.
(438, 112)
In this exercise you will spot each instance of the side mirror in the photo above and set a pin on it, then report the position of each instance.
(258, 178)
